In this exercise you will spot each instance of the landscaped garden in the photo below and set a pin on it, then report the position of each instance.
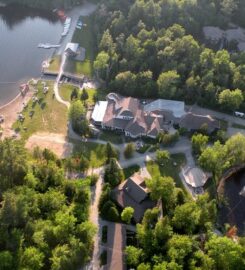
(171, 168)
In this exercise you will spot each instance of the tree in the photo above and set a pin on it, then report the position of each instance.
(225, 253)
(235, 146)
(133, 255)
(162, 156)
(127, 214)
(199, 143)
(111, 152)
(213, 159)
(113, 174)
(13, 165)
(231, 100)
(186, 217)
(32, 258)
(162, 188)
(84, 164)
(77, 115)
(84, 95)
(6, 260)
(168, 83)
(179, 247)
(74, 94)
(129, 150)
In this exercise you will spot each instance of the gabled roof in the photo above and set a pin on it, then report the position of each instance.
(194, 122)
(177, 107)
(72, 47)
(133, 192)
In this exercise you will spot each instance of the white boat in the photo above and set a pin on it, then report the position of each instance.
(67, 21)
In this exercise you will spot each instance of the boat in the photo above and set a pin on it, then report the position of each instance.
(79, 24)
(47, 46)
(67, 25)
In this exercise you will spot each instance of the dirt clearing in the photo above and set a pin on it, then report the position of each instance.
(55, 142)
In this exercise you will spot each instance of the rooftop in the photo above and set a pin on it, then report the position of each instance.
(99, 111)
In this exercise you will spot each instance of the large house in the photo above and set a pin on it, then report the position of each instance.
(134, 118)
(137, 119)
(134, 193)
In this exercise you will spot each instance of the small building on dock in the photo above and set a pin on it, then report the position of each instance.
(72, 49)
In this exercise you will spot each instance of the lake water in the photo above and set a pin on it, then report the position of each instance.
(21, 30)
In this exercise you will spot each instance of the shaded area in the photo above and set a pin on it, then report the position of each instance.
(14, 14)
(232, 211)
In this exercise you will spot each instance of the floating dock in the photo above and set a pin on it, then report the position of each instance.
(47, 46)
(67, 25)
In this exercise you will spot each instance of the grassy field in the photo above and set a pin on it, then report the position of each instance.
(93, 151)
(65, 91)
(54, 64)
(168, 169)
(85, 38)
(48, 115)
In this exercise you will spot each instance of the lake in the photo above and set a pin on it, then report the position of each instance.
(21, 30)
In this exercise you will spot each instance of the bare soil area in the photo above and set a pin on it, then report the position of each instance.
(9, 113)
(55, 142)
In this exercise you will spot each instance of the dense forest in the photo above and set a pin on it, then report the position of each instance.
(43, 216)
(153, 48)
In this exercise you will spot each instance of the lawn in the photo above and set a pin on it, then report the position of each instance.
(168, 169)
(111, 137)
(48, 115)
(65, 91)
(54, 64)
(95, 152)
(85, 38)
(131, 170)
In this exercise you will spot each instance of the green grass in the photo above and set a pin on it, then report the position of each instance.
(49, 115)
(131, 170)
(95, 152)
(85, 38)
(111, 137)
(65, 91)
(234, 125)
(168, 169)
(78, 67)
(54, 64)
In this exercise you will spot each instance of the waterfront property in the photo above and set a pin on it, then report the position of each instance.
(136, 118)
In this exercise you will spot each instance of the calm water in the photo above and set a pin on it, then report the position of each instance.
(21, 29)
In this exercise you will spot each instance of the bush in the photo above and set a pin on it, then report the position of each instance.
(109, 212)
(104, 234)
(103, 258)
(129, 150)
(93, 179)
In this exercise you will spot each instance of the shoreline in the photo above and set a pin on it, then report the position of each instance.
(10, 111)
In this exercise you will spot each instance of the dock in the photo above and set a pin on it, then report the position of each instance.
(47, 45)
